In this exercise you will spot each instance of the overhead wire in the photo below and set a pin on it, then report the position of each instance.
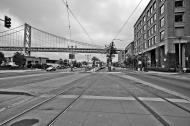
(74, 16)
(125, 23)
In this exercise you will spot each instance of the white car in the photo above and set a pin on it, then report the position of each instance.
(51, 68)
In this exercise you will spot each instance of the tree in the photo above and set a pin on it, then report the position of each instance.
(2, 58)
(94, 59)
(19, 59)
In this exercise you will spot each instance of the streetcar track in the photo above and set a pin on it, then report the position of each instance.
(147, 107)
(68, 107)
(173, 103)
(138, 85)
(73, 83)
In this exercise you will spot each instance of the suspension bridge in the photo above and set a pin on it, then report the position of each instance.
(29, 39)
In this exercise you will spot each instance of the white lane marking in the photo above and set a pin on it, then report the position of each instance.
(178, 100)
(91, 97)
(2, 109)
(107, 98)
(151, 99)
(68, 96)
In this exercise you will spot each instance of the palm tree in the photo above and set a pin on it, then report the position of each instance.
(94, 59)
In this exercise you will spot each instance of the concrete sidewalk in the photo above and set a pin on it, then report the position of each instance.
(169, 74)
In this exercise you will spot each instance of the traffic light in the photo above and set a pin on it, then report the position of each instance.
(7, 22)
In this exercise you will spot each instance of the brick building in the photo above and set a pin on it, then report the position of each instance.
(162, 33)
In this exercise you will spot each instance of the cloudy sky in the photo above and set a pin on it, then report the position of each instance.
(101, 18)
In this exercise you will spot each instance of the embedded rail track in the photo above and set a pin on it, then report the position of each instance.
(152, 111)
(41, 103)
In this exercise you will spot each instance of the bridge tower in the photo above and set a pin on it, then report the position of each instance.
(27, 39)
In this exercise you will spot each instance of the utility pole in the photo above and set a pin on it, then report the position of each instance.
(111, 50)
(71, 57)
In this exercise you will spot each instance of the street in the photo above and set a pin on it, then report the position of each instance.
(118, 98)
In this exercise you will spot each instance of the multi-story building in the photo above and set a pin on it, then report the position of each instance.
(162, 33)
(121, 57)
(129, 50)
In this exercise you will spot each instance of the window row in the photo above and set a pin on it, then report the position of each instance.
(151, 41)
(152, 19)
(152, 30)
(179, 3)
(151, 10)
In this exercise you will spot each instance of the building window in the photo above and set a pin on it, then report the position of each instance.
(155, 17)
(154, 5)
(155, 28)
(148, 33)
(153, 40)
(162, 9)
(144, 27)
(151, 10)
(152, 30)
(148, 22)
(148, 13)
(149, 43)
(151, 20)
(144, 18)
(162, 35)
(179, 3)
(179, 17)
(144, 36)
(162, 22)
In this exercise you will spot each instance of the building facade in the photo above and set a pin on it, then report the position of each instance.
(162, 33)
(121, 57)
(30, 60)
(129, 50)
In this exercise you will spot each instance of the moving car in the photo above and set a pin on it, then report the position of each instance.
(51, 68)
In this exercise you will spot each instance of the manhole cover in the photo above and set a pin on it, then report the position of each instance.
(26, 122)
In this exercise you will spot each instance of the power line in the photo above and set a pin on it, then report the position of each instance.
(85, 31)
(11, 29)
(122, 27)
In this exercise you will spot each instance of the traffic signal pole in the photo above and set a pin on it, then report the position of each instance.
(110, 51)
(7, 22)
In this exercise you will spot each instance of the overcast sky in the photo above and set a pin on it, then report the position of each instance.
(101, 18)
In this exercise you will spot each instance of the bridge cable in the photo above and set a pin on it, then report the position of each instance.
(83, 28)
(73, 41)
(125, 23)
(68, 16)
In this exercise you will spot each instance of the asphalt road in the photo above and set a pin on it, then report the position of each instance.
(94, 99)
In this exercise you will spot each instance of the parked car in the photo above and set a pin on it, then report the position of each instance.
(51, 68)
